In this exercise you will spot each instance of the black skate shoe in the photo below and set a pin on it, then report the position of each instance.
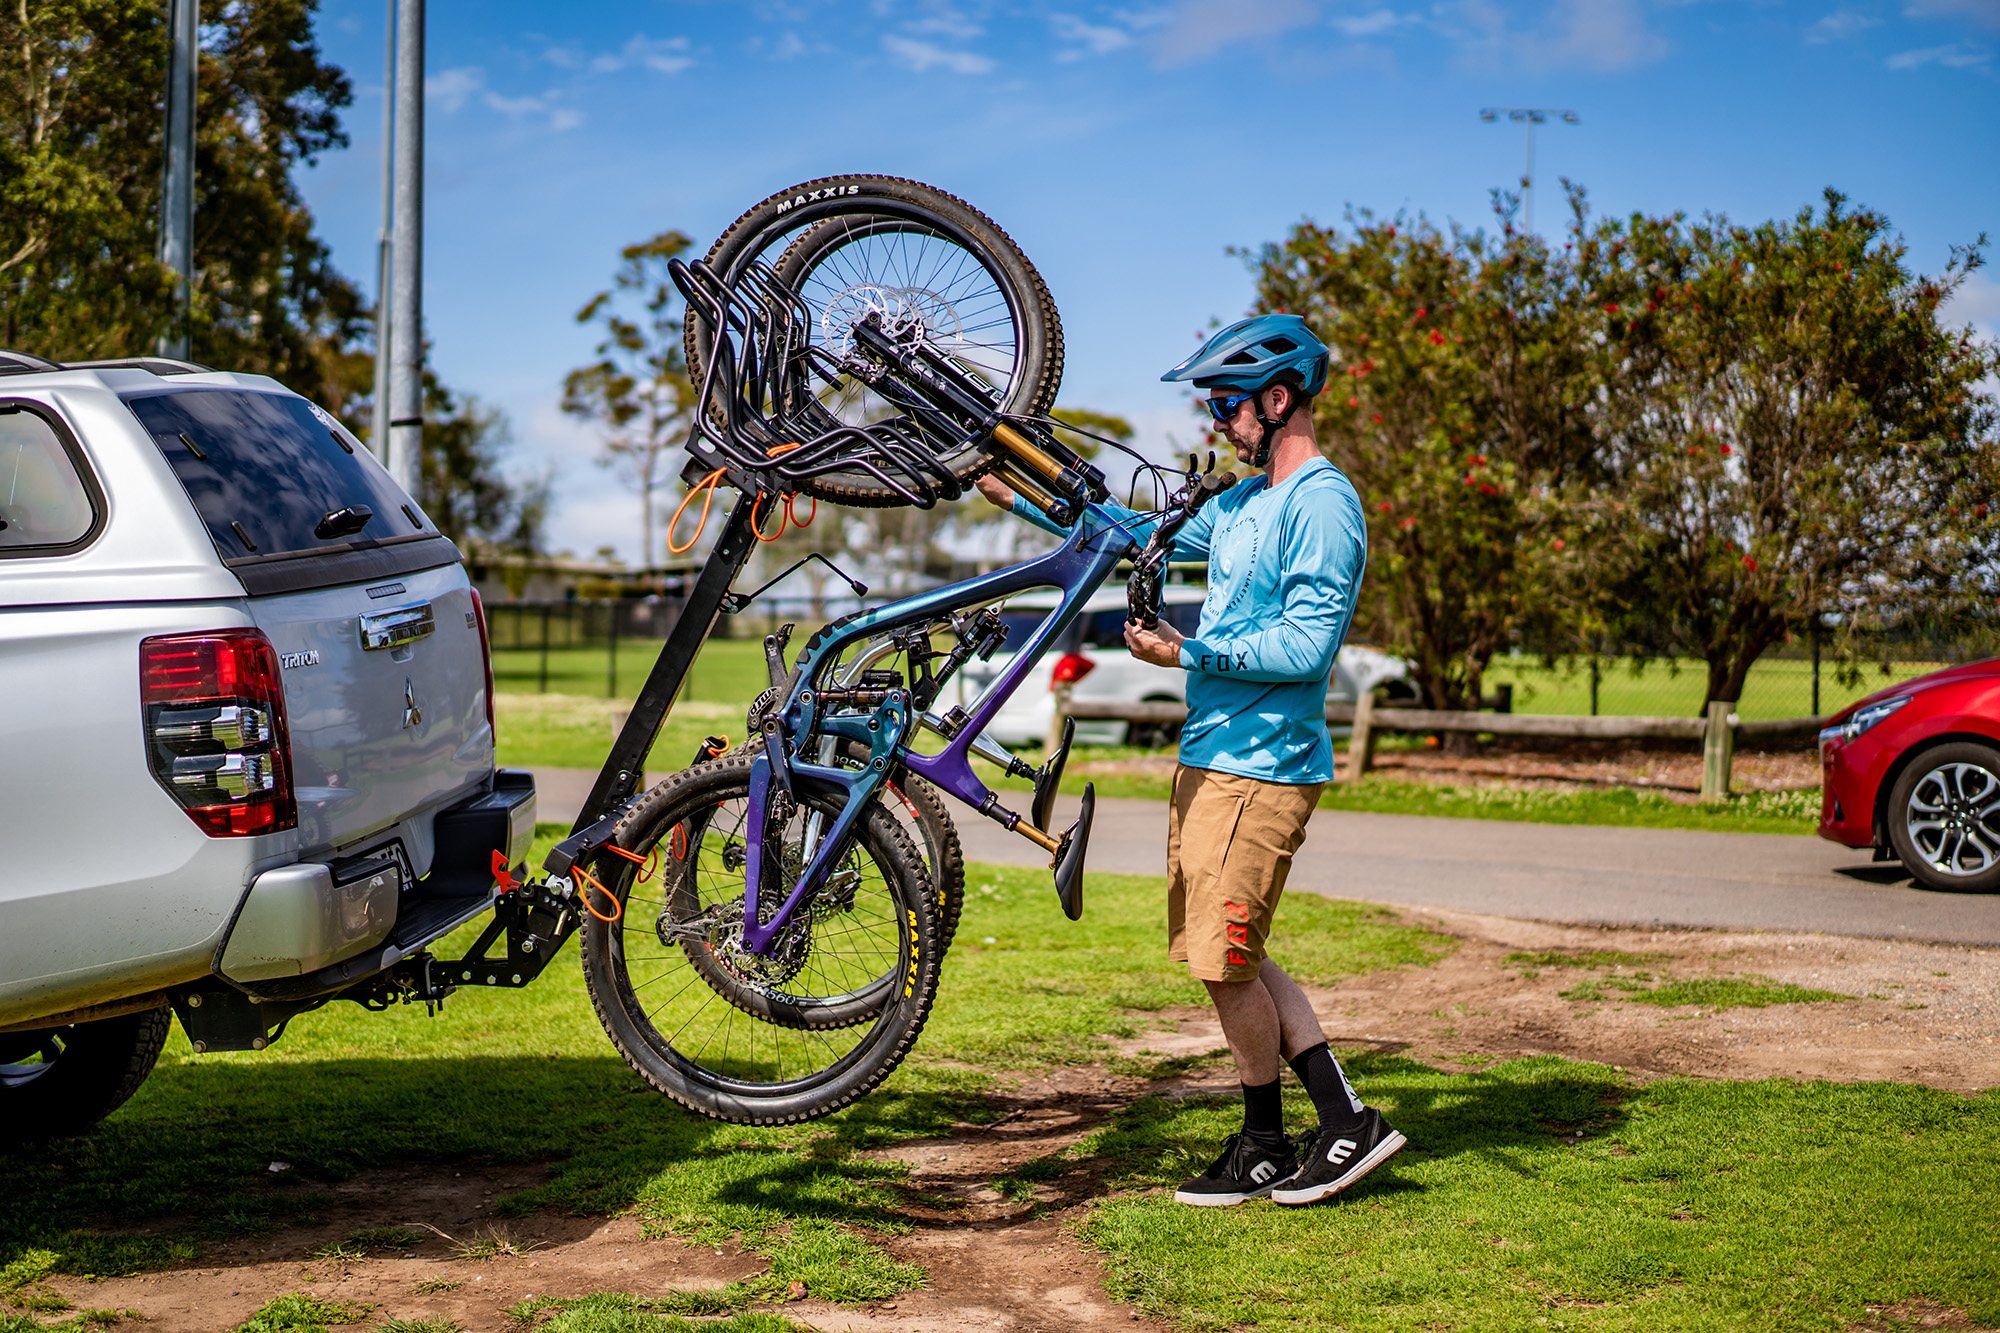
(1338, 1158)
(1245, 1170)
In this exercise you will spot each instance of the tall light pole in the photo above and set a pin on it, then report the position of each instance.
(1529, 116)
(406, 255)
(378, 433)
(177, 183)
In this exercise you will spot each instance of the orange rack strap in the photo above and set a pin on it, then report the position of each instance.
(587, 884)
(705, 488)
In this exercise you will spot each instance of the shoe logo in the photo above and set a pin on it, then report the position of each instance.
(1341, 1150)
(1262, 1172)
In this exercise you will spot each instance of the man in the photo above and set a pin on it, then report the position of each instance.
(1285, 554)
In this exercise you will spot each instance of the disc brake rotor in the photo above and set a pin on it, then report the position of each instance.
(909, 316)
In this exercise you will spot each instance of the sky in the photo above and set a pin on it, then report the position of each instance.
(1132, 148)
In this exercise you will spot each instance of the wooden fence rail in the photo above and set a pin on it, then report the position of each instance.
(1719, 731)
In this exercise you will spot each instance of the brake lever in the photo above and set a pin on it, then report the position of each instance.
(1142, 589)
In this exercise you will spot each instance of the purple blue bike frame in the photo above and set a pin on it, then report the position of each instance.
(1101, 538)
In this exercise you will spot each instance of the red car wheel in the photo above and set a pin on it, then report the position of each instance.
(1944, 817)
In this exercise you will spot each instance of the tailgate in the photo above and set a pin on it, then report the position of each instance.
(385, 695)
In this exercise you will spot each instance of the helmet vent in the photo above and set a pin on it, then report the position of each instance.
(1239, 359)
(1280, 345)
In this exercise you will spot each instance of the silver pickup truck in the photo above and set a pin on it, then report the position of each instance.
(246, 728)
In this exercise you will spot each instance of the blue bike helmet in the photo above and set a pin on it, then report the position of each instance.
(1257, 351)
(1253, 354)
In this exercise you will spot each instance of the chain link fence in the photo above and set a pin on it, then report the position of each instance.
(605, 648)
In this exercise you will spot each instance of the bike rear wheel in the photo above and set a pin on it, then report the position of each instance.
(936, 270)
(675, 990)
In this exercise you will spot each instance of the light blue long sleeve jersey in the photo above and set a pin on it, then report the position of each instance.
(1284, 570)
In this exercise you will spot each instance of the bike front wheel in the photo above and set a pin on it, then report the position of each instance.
(679, 995)
(933, 269)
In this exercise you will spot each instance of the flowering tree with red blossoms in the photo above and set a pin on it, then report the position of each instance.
(1794, 431)
(1460, 403)
(1684, 439)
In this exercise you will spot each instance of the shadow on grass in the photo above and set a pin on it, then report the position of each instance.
(1501, 1114)
(190, 1159)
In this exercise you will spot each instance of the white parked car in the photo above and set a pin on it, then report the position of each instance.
(1091, 656)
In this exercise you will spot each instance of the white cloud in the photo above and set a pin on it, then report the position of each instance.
(1087, 39)
(1839, 26)
(1976, 302)
(1372, 24)
(942, 19)
(451, 89)
(1601, 35)
(788, 46)
(1195, 29)
(1956, 56)
(923, 56)
(1985, 12)
(662, 55)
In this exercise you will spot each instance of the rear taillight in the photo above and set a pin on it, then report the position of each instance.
(1070, 668)
(486, 656)
(215, 730)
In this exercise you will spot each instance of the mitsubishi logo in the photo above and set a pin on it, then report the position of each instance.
(413, 716)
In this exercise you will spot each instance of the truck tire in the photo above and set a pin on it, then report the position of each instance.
(61, 1081)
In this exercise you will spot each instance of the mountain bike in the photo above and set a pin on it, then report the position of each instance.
(767, 927)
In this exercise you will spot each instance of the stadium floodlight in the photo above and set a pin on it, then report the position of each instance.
(1528, 116)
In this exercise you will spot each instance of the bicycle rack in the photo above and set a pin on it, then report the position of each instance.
(758, 422)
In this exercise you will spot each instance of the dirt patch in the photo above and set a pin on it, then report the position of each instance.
(1919, 1013)
(1907, 1316)
(996, 1240)
(447, 1211)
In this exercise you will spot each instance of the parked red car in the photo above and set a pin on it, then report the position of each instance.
(1914, 772)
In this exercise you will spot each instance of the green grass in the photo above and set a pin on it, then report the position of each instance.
(727, 671)
(1734, 993)
(1532, 961)
(295, 1312)
(1795, 812)
(1627, 976)
(616, 1312)
(569, 731)
(1536, 1194)
(1550, 1194)
(1673, 687)
(529, 1077)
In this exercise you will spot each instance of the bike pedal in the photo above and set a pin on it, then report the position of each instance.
(1070, 852)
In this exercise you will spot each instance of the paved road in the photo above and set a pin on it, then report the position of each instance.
(1546, 872)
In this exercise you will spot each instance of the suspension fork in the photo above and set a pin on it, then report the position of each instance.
(883, 732)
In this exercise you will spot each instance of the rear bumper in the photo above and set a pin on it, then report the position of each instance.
(298, 919)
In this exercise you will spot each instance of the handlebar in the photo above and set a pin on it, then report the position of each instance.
(1142, 589)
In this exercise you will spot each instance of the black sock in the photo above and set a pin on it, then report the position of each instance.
(1333, 1096)
(1263, 1115)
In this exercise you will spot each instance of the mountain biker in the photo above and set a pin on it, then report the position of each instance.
(1285, 554)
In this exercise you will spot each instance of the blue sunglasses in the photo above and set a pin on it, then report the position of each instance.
(1223, 408)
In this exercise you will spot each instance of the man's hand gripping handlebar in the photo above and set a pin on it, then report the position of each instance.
(1142, 590)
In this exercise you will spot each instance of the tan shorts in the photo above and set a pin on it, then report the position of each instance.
(1230, 842)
